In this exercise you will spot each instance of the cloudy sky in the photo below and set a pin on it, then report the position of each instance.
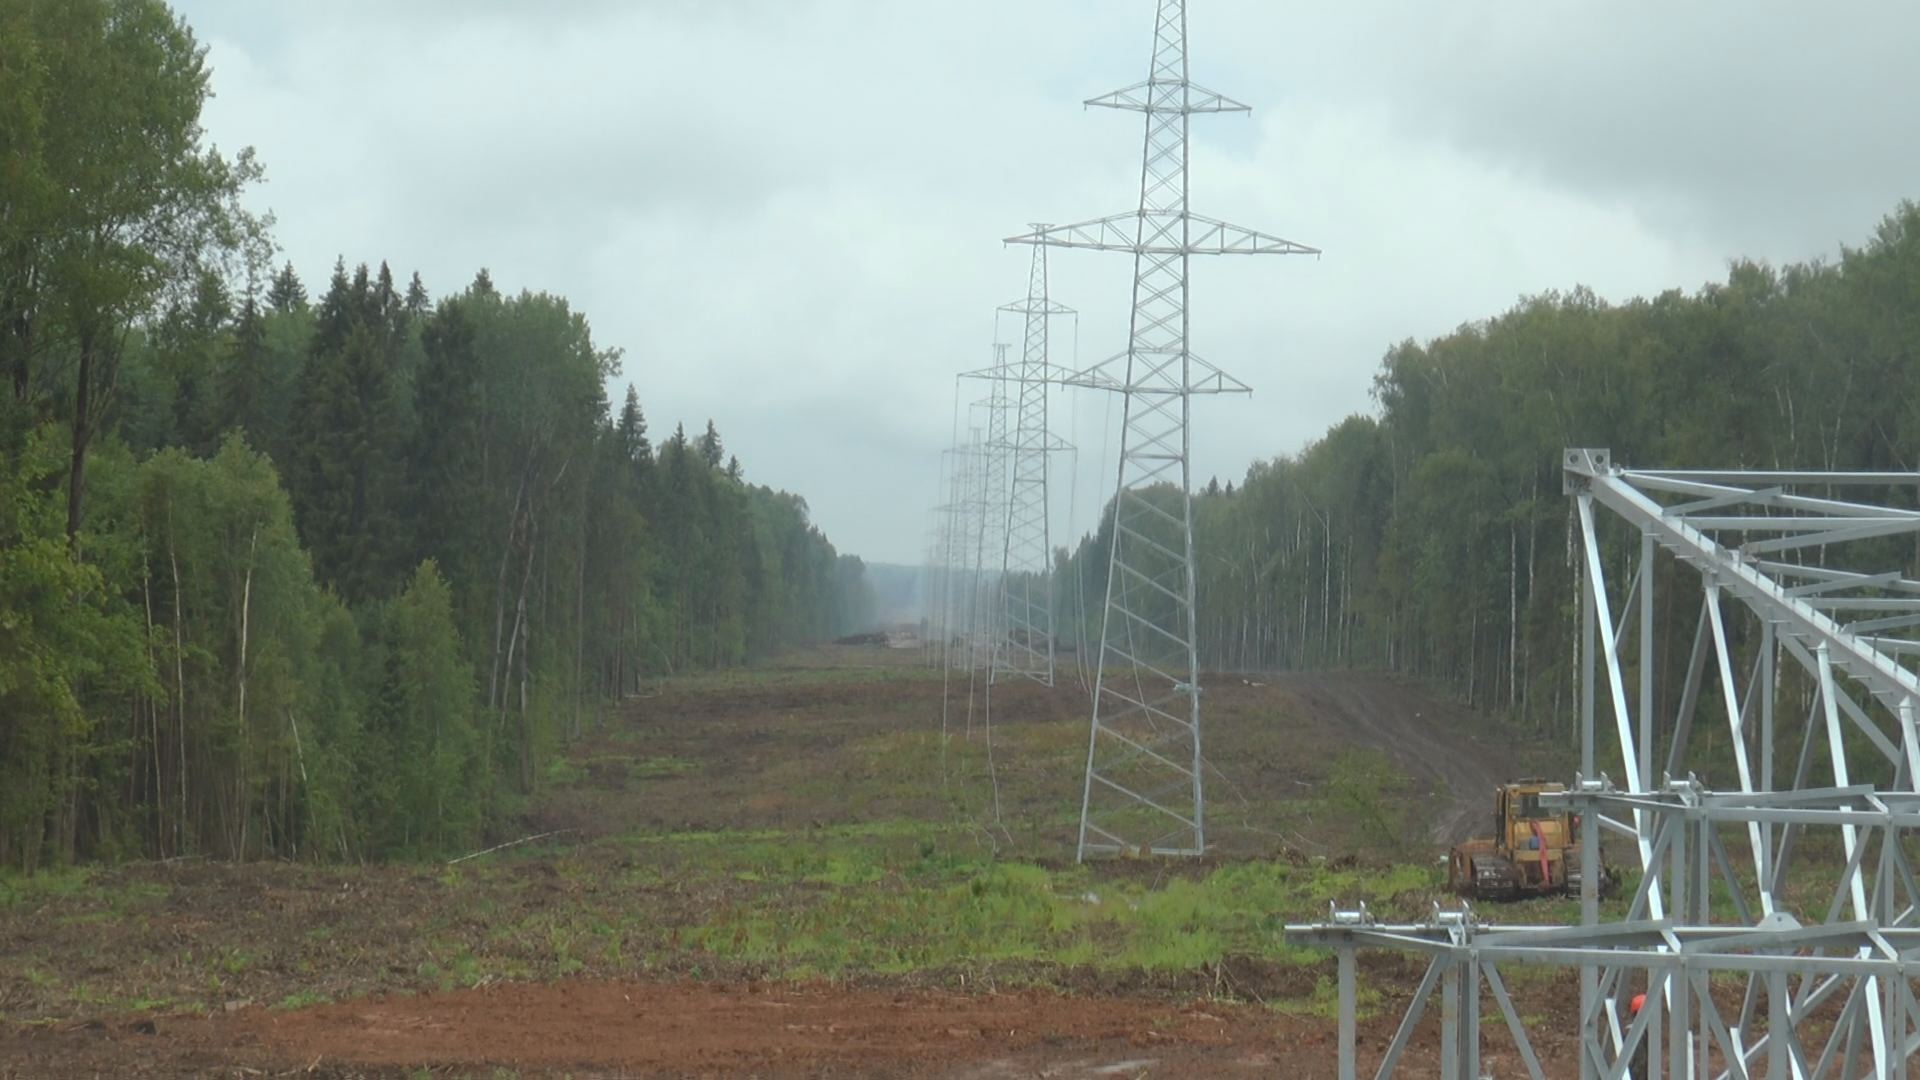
(789, 212)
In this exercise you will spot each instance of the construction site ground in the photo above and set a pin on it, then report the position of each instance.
(789, 871)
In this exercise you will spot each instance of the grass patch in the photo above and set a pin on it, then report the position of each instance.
(17, 889)
(1324, 1002)
(659, 768)
(834, 912)
(301, 999)
(564, 772)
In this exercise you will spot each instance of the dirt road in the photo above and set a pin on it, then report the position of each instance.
(1430, 739)
(635, 1029)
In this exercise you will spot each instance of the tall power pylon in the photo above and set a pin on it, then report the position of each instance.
(1144, 788)
(991, 495)
(1024, 607)
(959, 546)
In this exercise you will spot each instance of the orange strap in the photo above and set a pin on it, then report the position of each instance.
(1545, 877)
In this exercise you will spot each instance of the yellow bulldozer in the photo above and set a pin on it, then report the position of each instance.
(1534, 851)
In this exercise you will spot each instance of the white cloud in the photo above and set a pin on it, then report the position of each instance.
(789, 214)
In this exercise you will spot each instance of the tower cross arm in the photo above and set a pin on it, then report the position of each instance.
(1167, 96)
(1093, 378)
(1202, 377)
(1159, 232)
(1037, 306)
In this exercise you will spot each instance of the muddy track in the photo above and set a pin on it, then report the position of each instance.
(1431, 740)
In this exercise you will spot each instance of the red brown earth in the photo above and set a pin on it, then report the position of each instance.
(691, 1029)
(807, 745)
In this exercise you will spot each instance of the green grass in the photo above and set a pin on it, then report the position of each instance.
(18, 889)
(903, 897)
(40, 978)
(658, 768)
(1324, 1002)
(564, 772)
(771, 676)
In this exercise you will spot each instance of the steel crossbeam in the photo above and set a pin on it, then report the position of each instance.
(1829, 988)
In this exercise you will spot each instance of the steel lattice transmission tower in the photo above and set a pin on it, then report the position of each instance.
(1026, 578)
(951, 516)
(1023, 604)
(990, 495)
(1144, 786)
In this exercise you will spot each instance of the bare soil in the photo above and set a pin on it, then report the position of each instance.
(1437, 742)
(629, 1029)
(223, 957)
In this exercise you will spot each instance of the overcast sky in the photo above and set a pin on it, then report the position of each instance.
(789, 212)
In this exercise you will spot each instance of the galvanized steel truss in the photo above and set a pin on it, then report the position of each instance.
(1023, 612)
(1026, 565)
(986, 629)
(956, 522)
(971, 524)
(1686, 1030)
(1144, 788)
(1832, 982)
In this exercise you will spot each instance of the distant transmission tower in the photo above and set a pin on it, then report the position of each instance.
(1024, 616)
(958, 528)
(1026, 570)
(1144, 786)
(991, 507)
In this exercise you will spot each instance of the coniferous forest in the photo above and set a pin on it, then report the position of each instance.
(1432, 538)
(321, 572)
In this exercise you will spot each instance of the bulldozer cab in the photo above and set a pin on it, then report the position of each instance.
(1523, 824)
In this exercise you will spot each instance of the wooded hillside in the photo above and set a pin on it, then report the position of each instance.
(313, 577)
(1431, 537)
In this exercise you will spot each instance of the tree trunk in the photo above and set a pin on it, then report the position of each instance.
(240, 780)
(580, 632)
(1526, 640)
(21, 369)
(82, 423)
(500, 596)
(518, 644)
(1326, 588)
(1513, 616)
(153, 719)
(179, 701)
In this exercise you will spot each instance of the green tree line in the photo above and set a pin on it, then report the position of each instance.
(313, 576)
(1431, 536)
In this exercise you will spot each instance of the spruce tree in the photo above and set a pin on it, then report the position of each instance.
(287, 295)
(346, 475)
(240, 386)
(632, 430)
(445, 456)
(389, 309)
(417, 301)
(709, 446)
(338, 309)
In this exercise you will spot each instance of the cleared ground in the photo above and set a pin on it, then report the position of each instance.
(789, 871)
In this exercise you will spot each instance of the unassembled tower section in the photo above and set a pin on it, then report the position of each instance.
(1799, 586)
